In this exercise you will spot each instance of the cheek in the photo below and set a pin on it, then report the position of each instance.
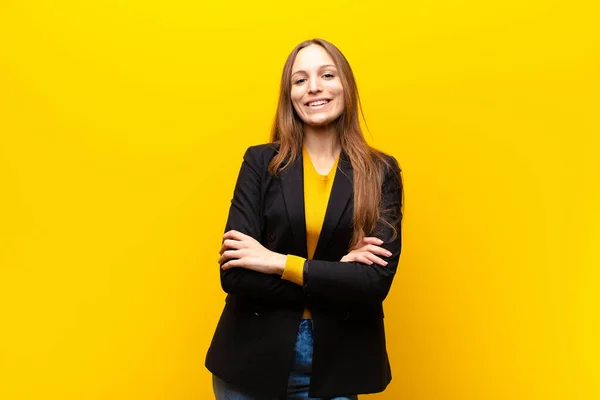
(297, 108)
(336, 89)
(296, 97)
(341, 101)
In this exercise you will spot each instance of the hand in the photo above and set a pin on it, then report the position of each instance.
(240, 250)
(367, 252)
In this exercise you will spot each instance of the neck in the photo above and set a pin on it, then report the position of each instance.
(322, 141)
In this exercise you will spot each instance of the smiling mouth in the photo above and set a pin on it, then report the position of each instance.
(317, 103)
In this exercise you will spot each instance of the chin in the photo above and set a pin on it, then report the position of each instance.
(320, 121)
(328, 121)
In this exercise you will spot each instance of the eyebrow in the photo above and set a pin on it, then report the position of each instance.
(321, 67)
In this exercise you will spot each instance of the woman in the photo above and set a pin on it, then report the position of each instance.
(303, 316)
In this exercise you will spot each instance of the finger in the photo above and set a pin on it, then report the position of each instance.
(350, 257)
(371, 248)
(378, 250)
(231, 244)
(364, 248)
(233, 234)
(228, 255)
(372, 240)
(374, 259)
(231, 264)
(366, 241)
(363, 259)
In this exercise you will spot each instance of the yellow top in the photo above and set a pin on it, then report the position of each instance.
(317, 189)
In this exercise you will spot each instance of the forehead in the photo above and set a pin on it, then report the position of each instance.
(311, 57)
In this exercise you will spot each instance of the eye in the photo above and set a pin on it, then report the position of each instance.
(328, 75)
(299, 81)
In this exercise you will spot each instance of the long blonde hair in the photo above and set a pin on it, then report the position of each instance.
(368, 164)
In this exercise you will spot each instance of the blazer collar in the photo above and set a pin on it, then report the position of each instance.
(292, 181)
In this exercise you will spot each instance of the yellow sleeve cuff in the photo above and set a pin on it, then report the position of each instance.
(294, 269)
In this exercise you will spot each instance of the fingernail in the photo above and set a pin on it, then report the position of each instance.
(380, 241)
(387, 253)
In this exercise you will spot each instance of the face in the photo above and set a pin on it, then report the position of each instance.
(317, 92)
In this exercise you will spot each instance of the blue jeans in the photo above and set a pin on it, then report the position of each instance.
(299, 377)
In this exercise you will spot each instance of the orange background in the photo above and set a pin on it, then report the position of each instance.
(122, 127)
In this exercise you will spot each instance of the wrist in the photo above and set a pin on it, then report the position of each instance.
(279, 261)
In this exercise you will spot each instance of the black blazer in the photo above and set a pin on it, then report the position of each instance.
(253, 345)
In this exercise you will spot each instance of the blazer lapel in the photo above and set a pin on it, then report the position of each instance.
(341, 192)
(292, 182)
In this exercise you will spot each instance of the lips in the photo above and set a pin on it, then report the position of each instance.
(317, 102)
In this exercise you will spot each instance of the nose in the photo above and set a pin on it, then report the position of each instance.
(314, 86)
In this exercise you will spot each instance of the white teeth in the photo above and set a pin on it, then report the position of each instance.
(318, 103)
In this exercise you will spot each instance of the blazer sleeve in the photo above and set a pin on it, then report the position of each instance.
(244, 216)
(355, 281)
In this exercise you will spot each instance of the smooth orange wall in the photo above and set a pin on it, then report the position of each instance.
(122, 127)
